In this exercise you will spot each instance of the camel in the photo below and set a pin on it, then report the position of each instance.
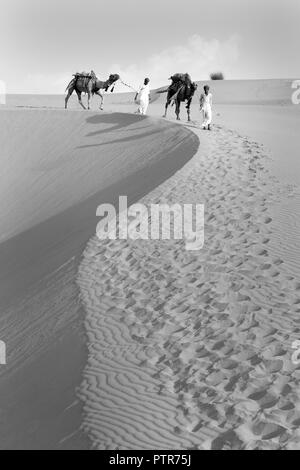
(181, 89)
(89, 83)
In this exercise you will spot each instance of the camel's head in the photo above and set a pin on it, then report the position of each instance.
(113, 78)
(194, 87)
(190, 89)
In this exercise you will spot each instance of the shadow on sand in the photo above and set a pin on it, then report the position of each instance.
(120, 121)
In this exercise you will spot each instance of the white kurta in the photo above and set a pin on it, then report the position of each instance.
(143, 98)
(206, 106)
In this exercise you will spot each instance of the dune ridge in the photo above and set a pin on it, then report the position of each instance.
(209, 333)
(71, 163)
(71, 156)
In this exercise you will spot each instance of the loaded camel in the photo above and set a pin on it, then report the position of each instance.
(181, 90)
(89, 83)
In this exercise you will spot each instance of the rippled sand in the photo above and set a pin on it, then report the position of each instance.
(193, 349)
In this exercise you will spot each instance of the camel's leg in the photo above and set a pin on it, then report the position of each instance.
(89, 98)
(79, 99)
(70, 91)
(101, 97)
(166, 108)
(188, 108)
(89, 93)
(177, 110)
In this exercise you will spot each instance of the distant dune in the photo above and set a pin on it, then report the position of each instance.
(276, 91)
(250, 91)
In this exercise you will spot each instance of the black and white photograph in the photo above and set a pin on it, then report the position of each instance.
(150, 228)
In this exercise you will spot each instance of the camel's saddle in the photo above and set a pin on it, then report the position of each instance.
(182, 79)
(85, 76)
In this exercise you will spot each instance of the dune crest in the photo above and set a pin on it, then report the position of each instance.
(71, 163)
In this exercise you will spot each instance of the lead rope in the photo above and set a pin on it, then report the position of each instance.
(128, 86)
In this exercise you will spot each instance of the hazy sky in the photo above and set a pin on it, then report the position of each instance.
(42, 42)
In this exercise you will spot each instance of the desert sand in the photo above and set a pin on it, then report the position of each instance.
(166, 348)
(58, 167)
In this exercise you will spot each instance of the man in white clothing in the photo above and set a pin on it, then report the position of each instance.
(206, 108)
(143, 97)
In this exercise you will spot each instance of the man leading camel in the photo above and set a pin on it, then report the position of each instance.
(143, 97)
(206, 108)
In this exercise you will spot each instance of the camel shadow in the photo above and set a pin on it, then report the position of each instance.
(120, 121)
(123, 139)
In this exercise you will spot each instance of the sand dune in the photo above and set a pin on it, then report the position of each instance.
(69, 157)
(52, 186)
(211, 330)
(180, 350)
(276, 91)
